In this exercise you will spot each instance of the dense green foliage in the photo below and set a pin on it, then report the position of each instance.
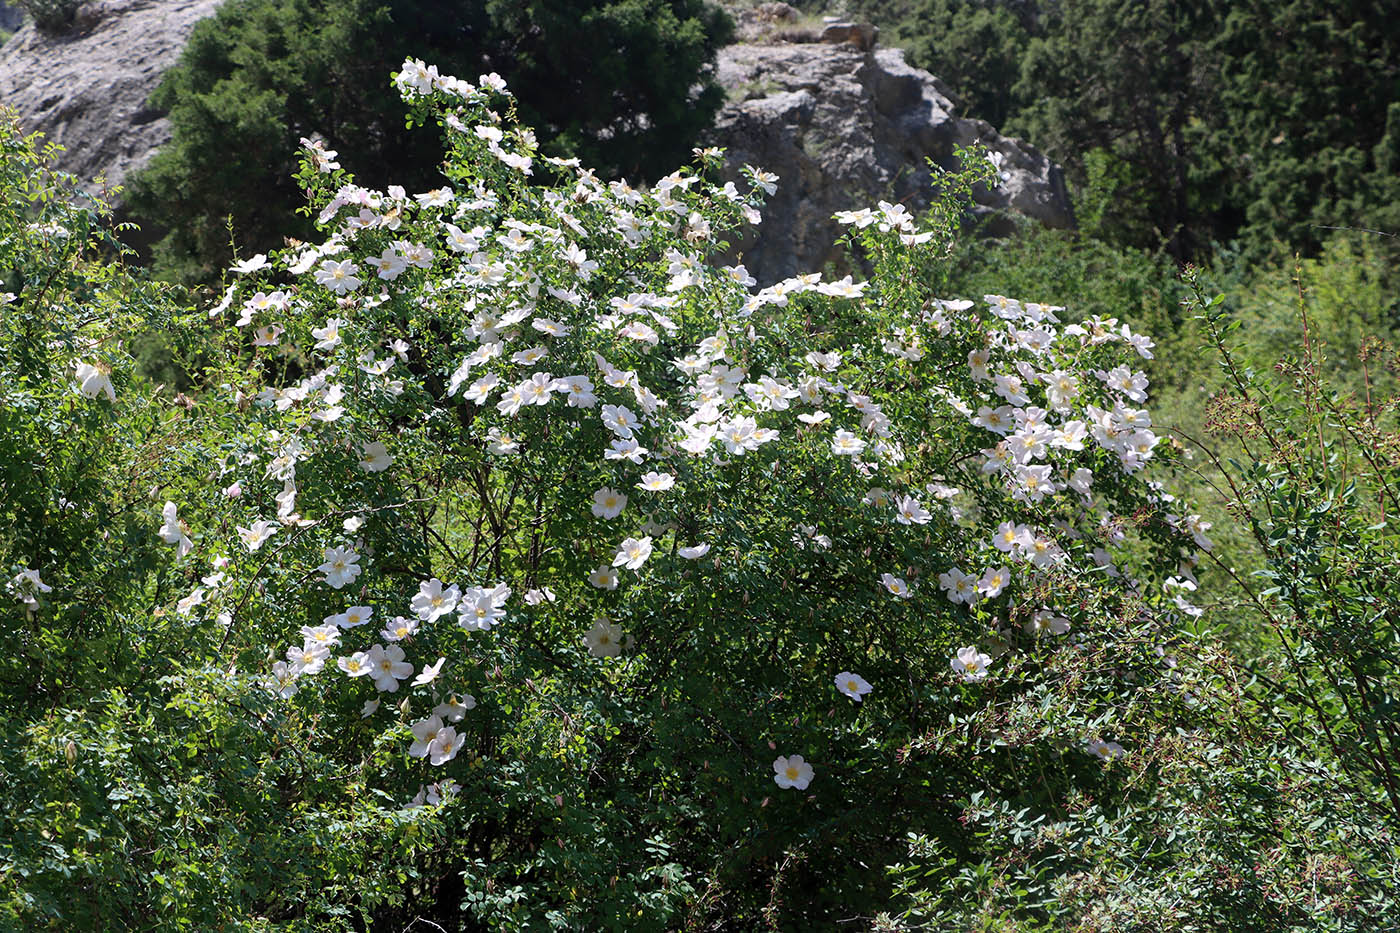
(623, 84)
(49, 15)
(145, 786)
(1188, 124)
(165, 769)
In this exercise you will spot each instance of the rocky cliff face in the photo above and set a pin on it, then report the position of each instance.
(87, 89)
(843, 127)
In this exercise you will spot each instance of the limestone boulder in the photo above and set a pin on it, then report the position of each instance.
(87, 88)
(844, 127)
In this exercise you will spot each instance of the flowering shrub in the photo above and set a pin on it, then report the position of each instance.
(528, 498)
(146, 785)
(1271, 804)
(519, 554)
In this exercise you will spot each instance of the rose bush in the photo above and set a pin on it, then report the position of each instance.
(613, 519)
(517, 554)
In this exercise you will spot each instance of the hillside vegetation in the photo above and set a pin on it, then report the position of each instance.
(460, 539)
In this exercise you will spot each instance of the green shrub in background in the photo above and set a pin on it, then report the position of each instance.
(1351, 300)
(1184, 125)
(624, 84)
(49, 15)
(1319, 495)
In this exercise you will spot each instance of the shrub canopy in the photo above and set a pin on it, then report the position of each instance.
(514, 563)
(505, 493)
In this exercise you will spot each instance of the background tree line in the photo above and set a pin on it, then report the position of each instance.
(1182, 125)
(1185, 124)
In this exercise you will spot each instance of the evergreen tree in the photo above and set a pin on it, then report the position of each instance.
(1309, 97)
(975, 47)
(624, 84)
(1185, 123)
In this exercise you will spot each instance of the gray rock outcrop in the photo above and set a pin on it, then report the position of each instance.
(860, 35)
(843, 128)
(87, 88)
(759, 23)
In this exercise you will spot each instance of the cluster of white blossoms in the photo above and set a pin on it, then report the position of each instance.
(384, 662)
(26, 588)
(587, 313)
(1042, 424)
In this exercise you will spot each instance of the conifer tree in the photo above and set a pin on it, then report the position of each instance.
(624, 84)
